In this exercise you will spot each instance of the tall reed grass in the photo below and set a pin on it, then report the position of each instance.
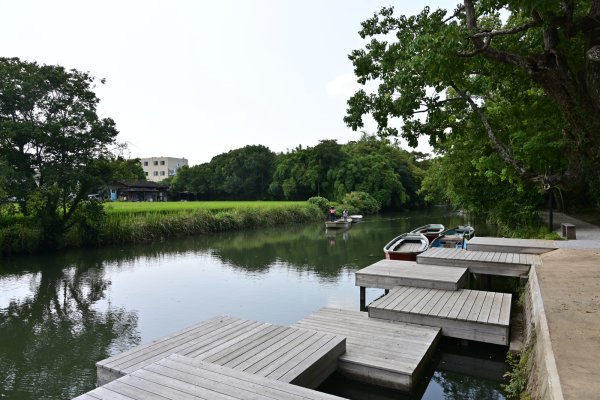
(145, 222)
(137, 227)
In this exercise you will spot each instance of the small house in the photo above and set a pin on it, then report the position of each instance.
(138, 191)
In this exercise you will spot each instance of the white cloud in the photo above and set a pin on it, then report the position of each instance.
(342, 86)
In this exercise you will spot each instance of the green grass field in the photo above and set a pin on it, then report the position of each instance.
(182, 206)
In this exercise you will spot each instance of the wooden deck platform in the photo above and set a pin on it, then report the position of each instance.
(481, 262)
(291, 355)
(383, 353)
(508, 245)
(464, 314)
(182, 378)
(386, 274)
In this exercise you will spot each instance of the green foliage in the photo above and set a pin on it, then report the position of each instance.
(19, 239)
(126, 170)
(361, 202)
(462, 84)
(518, 373)
(320, 202)
(52, 140)
(372, 165)
(119, 228)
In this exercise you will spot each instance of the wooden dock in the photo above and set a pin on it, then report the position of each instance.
(386, 274)
(383, 353)
(481, 262)
(508, 245)
(291, 355)
(464, 314)
(182, 378)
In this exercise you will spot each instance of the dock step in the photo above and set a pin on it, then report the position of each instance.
(481, 262)
(292, 355)
(386, 274)
(179, 377)
(464, 314)
(509, 245)
(383, 353)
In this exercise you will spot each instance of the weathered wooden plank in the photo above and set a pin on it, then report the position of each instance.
(476, 308)
(460, 303)
(504, 318)
(449, 304)
(432, 303)
(486, 308)
(496, 307)
(441, 303)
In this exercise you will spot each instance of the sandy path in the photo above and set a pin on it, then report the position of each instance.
(570, 284)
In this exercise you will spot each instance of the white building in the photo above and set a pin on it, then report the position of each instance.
(159, 168)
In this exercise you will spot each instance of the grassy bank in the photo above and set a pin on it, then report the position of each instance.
(145, 222)
(130, 224)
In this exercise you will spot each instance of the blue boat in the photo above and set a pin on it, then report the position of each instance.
(455, 238)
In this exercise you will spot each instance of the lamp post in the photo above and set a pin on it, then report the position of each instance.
(550, 204)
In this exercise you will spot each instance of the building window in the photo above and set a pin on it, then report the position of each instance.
(171, 172)
(155, 163)
(162, 173)
(162, 162)
(155, 173)
(146, 173)
(145, 163)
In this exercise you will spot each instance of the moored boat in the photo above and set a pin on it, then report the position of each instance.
(338, 223)
(356, 218)
(431, 231)
(467, 230)
(406, 247)
(454, 237)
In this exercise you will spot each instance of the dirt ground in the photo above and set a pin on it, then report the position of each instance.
(570, 284)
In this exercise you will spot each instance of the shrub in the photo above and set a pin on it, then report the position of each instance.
(361, 201)
(320, 202)
(19, 239)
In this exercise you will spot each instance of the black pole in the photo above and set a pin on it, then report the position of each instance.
(550, 216)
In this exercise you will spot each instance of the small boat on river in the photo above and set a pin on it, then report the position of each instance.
(356, 218)
(338, 223)
(454, 238)
(406, 247)
(431, 231)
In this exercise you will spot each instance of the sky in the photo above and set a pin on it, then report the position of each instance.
(195, 79)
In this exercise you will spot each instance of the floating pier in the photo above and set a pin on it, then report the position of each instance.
(292, 355)
(464, 314)
(182, 378)
(379, 352)
(481, 262)
(508, 245)
(386, 274)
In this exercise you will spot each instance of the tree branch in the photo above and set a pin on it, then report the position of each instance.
(504, 32)
(502, 150)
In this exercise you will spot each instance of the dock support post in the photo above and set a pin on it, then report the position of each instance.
(363, 298)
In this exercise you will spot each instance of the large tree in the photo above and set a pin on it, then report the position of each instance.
(437, 70)
(52, 137)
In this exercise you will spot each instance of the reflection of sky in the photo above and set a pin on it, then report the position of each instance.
(180, 291)
(15, 288)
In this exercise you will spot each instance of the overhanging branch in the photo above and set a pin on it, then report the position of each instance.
(502, 150)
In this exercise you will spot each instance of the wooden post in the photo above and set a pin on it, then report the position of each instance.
(363, 291)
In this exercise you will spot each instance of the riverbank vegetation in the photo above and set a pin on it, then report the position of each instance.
(507, 93)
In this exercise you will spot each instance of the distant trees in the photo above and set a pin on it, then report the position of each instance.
(52, 141)
(240, 174)
(391, 175)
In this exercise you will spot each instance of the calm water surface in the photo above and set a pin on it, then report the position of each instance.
(59, 314)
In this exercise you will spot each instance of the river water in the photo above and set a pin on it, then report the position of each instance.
(59, 314)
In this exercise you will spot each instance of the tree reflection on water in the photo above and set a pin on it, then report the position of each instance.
(51, 336)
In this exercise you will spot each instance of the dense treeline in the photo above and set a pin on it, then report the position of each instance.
(391, 175)
(507, 92)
